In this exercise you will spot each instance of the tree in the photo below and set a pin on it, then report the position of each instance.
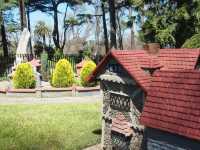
(101, 8)
(42, 30)
(51, 6)
(106, 43)
(3, 35)
(13, 31)
(54, 6)
(113, 25)
(22, 14)
(115, 9)
(170, 23)
(193, 42)
(131, 26)
(97, 28)
(3, 6)
(70, 23)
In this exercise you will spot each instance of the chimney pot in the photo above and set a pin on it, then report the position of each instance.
(152, 48)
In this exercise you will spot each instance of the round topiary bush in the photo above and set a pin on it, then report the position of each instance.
(87, 69)
(63, 75)
(24, 77)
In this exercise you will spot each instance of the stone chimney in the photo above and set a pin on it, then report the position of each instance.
(152, 48)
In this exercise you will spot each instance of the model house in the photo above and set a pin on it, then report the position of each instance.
(126, 79)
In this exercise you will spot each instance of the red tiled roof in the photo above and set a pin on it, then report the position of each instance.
(80, 65)
(173, 103)
(121, 125)
(133, 60)
(35, 62)
(129, 62)
(176, 59)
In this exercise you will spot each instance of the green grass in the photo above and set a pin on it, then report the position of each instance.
(49, 127)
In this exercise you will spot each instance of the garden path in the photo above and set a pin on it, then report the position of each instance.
(57, 100)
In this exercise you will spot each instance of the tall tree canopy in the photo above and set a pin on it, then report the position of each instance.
(4, 5)
(51, 6)
(168, 22)
(41, 31)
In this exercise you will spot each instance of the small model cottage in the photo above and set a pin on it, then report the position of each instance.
(172, 111)
(126, 79)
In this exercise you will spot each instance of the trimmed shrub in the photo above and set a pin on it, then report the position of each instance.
(87, 69)
(24, 76)
(63, 75)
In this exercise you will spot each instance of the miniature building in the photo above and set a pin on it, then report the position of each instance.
(172, 111)
(125, 79)
(79, 66)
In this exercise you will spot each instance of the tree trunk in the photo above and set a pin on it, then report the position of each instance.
(113, 26)
(3, 36)
(22, 14)
(119, 32)
(56, 30)
(29, 27)
(4, 40)
(28, 18)
(97, 31)
(44, 42)
(132, 30)
(73, 32)
(105, 27)
(65, 30)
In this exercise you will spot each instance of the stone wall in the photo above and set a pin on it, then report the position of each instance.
(125, 99)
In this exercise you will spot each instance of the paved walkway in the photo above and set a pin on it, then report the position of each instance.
(59, 100)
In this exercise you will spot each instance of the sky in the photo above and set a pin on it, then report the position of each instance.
(48, 19)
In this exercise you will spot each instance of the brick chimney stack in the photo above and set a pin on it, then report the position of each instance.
(152, 48)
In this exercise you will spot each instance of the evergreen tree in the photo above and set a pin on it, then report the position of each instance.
(51, 6)
(168, 22)
(4, 5)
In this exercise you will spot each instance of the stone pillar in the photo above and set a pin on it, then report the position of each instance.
(38, 82)
(137, 138)
(106, 136)
(136, 141)
(106, 140)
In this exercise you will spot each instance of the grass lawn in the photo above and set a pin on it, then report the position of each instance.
(49, 127)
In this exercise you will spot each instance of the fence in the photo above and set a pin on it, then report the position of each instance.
(72, 59)
(6, 63)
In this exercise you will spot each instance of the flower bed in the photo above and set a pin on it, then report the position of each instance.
(63, 82)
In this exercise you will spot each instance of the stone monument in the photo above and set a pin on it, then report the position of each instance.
(23, 54)
(23, 49)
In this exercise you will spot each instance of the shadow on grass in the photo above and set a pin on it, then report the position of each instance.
(97, 132)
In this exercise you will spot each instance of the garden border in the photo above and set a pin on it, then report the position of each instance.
(51, 92)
